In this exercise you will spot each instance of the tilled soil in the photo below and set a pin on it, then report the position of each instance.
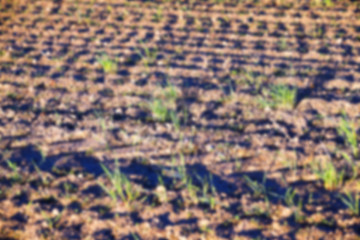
(182, 96)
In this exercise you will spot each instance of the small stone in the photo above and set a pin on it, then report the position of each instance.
(161, 193)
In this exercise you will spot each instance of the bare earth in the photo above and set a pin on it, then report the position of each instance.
(182, 95)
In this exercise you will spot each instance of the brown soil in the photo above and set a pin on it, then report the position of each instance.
(63, 116)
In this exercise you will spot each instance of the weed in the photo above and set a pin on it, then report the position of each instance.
(351, 202)
(259, 189)
(348, 131)
(159, 110)
(281, 96)
(289, 197)
(352, 164)
(51, 221)
(324, 3)
(299, 216)
(175, 120)
(148, 55)
(252, 79)
(207, 185)
(158, 15)
(328, 173)
(107, 64)
(43, 178)
(15, 171)
(121, 185)
(170, 94)
(135, 236)
(282, 45)
(160, 107)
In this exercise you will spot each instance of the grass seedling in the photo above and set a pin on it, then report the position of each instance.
(192, 191)
(329, 175)
(259, 189)
(135, 236)
(121, 185)
(351, 202)
(159, 110)
(107, 64)
(15, 171)
(352, 164)
(289, 197)
(170, 94)
(282, 96)
(160, 107)
(158, 15)
(148, 55)
(348, 131)
(43, 178)
(51, 221)
(299, 216)
(181, 169)
(175, 120)
(207, 185)
(282, 45)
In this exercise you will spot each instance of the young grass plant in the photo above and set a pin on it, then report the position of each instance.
(208, 192)
(183, 180)
(259, 189)
(289, 197)
(159, 110)
(327, 172)
(351, 202)
(163, 107)
(121, 185)
(15, 171)
(348, 131)
(148, 55)
(282, 96)
(51, 221)
(107, 64)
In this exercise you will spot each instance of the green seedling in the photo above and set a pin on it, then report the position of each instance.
(175, 120)
(51, 221)
(159, 110)
(299, 216)
(282, 96)
(289, 197)
(207, 185)
(160, 107)
(282, 44)
(121, 185)
(324, 3)
(330, 176)
(348, 131)
(192, 190)
(351, 202)
(107, 64)
(259, 189)
(170, 93)
(181, 169)
(135, 236)
(148, 55)
(158, 15)
(251, 79)
(352, 164)
(15, 171)
(43, 178)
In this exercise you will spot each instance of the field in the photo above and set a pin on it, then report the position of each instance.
(216, 119)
